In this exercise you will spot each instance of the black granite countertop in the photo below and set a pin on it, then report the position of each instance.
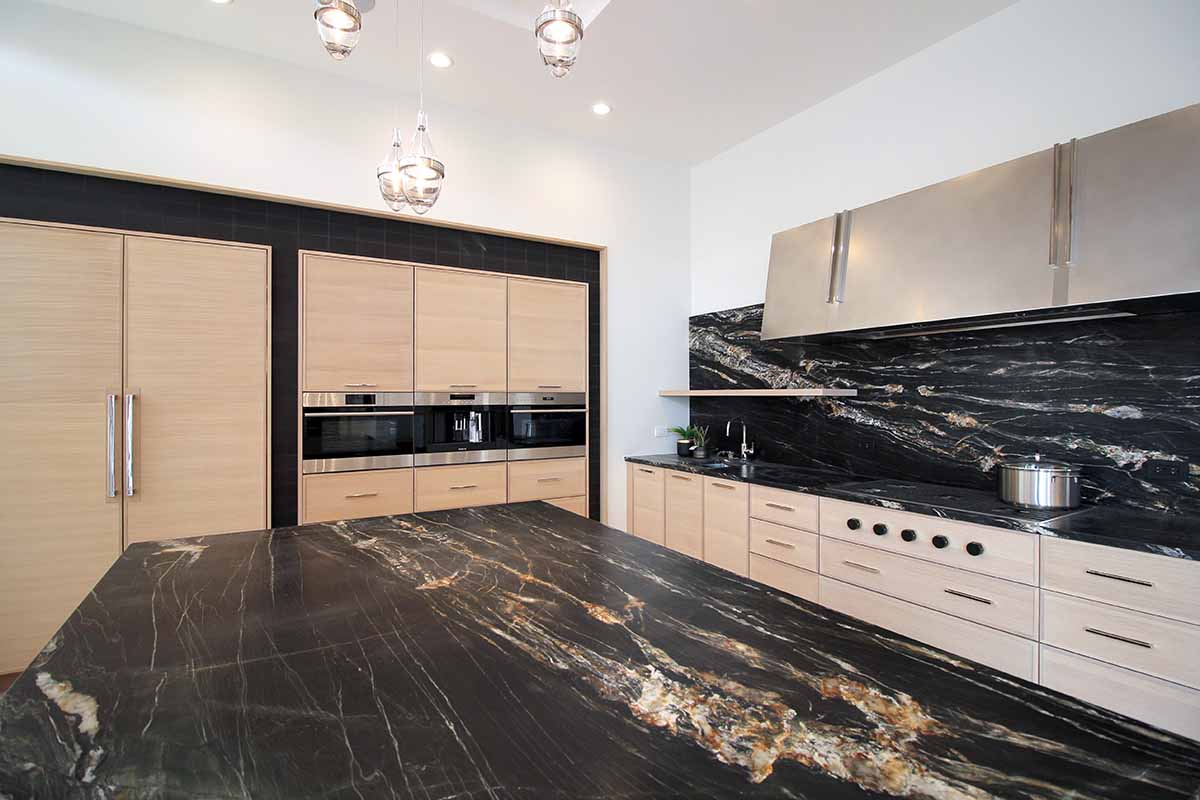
(524, 652)
(1170, 535)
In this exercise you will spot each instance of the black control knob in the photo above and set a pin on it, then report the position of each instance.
(908, 535)
(879, 528)
(975, 548)
(853, 523)
(940, 542)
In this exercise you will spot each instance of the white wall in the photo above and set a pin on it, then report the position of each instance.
(84, 90)
(1036, 73)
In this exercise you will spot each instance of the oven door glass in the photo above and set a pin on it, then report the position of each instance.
(482, 430)
(548, 427)
(341, 439)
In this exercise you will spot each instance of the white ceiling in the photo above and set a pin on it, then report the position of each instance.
(686, 80)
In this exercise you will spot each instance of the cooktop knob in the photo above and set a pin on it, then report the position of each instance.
(975, 548)
(879, 528)
(908, 535)
(853, 523)
(940, 542)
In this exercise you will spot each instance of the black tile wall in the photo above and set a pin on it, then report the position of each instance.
(49, 196)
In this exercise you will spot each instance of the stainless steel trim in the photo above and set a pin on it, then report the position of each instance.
(843, 255)
(359, 413)
(459, 457)
(544, 399)
(548, 411)
(111, 483)
(788, 545)
(863, 567)
(452, 399)
(361, 494)
(831, 294)
(1069, 230)
(966, 596)
(1118, 637)
(129, 398)
(780, 506)
(316, 466)
(559, 14)
(1054, 188)
(563, 451)
(1100, 574)
(336, 399)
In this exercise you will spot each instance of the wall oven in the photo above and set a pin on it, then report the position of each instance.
(356, 431)
(547, 425)
(460, 427)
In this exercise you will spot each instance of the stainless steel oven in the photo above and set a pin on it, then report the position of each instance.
(356, 431)
(547, 425)
(460, 427)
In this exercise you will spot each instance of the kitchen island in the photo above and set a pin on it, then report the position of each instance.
(523, 651)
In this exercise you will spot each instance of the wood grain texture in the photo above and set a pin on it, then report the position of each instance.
(461, 331)
(727, 525)
(548, 478)
(460, 486)
(684, 513)
(785, 577)
(576, 505)
(649, 517)
(547, 336)
(793, 509)
(353, 495)
(795, 547)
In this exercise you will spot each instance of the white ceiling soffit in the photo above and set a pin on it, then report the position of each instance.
(686, 78)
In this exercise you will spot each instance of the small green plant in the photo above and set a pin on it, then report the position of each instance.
(700, 437)
(684, 432)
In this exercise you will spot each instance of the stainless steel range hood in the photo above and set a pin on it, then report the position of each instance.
(1081, 230)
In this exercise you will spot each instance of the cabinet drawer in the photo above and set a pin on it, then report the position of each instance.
(727, 525)
(1009, 606)
(798, 548)
(576, 505)
(786, 508)
(1146, 582)
(544, 479)
(349, 495)
(992, 551)
(1166, 705)
(685, 513)
(460, 486)
(996, 649)
(1153, 645)
(784, 577)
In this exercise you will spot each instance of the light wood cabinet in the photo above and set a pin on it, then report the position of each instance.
(684, 513)
(353, 495)
(548, 478)
(547, 336)
(785, 577)
(781, 543)
(727, 525)
(576, 505)
(357, 323)
(460, 486)
(647, 503)
(461, 331)
(785, 508)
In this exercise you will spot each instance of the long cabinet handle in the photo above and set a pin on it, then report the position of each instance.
(681, 477)
(1115, 577)
(780, 506)
(721, 485)
(111, 483)
(549, 385)
(129, 400)
(359, 385)
(549, 411)
(1069, 231)
(359, 414)
(966, 596)
(647, 471)
(1055, 169)
(778, 543)
(548, 480)
(466, 486)
(463, 385)
(863, 567)
(362, 494)
(839, 258)
(1118, 637)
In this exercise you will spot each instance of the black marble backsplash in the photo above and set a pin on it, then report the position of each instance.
(1108, 395)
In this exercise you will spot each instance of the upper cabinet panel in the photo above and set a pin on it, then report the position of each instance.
(800, 282)
(461, 331)
(547, 336)
(1136, 195)
(358, 325)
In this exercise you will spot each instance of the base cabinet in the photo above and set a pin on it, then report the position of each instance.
(727, 525)
(646, 503)
(576, 505)
(460, 486)
(352, 495)
(685, 513)
(785, 577)
(546, 479)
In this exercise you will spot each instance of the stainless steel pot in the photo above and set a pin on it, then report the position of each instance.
(1039, 483)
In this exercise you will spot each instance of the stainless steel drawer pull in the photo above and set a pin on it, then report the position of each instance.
(360, 414)
(780, 506)
(111, 483)
(863, 567)
(1119, 638)
(778, 543)
(362, 494)
(548, 480)
(463, 385)
(466, 486)
(721, 485)
(966, 596)
(129, 400)
(647, 471)
(547, 410)
(680, 477)
(549, 385)
(364, 385)
(1110, 575)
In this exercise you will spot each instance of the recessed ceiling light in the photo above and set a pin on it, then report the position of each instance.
(441, 60)
(601, 108)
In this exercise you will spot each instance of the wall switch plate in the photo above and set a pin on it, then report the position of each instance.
(1161, 470)
(661, 431)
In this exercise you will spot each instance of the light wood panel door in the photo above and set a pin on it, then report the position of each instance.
(548, 478)
(60, 357)
(685, 513)
(727, 525)
(547, 336)
(649, 519)
(461, 332)
(353, 495)
(460, 486)
(576, 505)
(196, 346)
(358, 325)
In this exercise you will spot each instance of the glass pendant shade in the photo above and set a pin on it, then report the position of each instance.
(421, 174)
(559, 32)
(391, 185)
(340, 24)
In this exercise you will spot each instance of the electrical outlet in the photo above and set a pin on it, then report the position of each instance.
(1161, 470)
(660, 431)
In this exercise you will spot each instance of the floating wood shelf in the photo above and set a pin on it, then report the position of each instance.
(822, 392)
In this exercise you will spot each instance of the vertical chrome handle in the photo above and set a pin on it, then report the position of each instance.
(834, 259)
(1069, 228)
(840, 258)
(111, 483)
(129, 444)
(1055, 168)
(1062, 204)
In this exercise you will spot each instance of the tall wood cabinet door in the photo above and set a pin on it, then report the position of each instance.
(358, 325)
(649, 519)
(547, 336)
(461, 331)
(196, 367)
(727, 525)
(60, 358)
(685, 513)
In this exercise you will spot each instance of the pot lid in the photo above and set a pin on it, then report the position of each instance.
(1039, 464)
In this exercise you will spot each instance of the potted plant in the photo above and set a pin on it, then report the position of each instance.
(683, 446)
(700, 442)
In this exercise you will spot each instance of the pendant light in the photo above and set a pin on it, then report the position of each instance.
(339, 22)
(391, 186)
(559, 32)
(421, 173)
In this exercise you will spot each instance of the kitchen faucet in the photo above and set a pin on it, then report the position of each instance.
(747, 450)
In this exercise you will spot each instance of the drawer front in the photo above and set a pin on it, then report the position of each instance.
(727, 525)
(461, 486)
(1160, 703)
(997, 649)
(576, 505)
(349, 495)
(992, 551)
(1154, 584)
(798, 548)
(648, 487)
(786, 508)
(1009, 606)
(1142, 642)
(545, 479)
(784, 577)
(685, 513)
